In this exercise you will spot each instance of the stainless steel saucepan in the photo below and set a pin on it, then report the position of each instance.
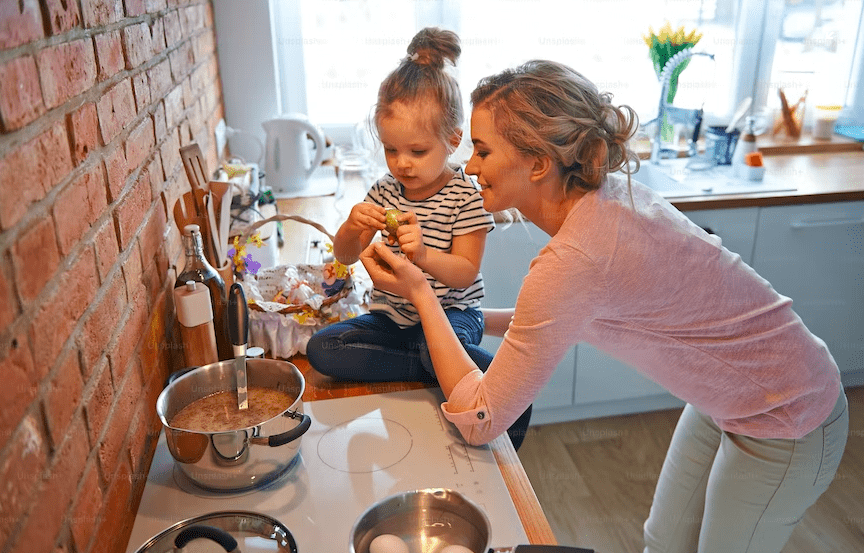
(241, 458)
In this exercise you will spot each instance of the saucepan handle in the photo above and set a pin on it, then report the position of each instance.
(294, 433)
(218, 535)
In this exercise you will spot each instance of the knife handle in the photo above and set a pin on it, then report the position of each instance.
(238, 316)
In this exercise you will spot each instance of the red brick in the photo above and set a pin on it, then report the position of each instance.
(20, 93)
(199, 79)
(131, 210)
(66, 70)
(155, 5)
(182, 60)
(173, 33)
(116, 109)
(204, 46)
(35, 258)
(191, 20)
(20, 471)
(20, 384)
(62, 396)
(8, 302)
(141, 88)
(85, 512)
(152, 238)
(102, 322)
(159, 120)
(97, 401)
(140, 143)
(174, 107)
(31, 171)
(62, 15)
(118, 170)
(157, 36)
(107, 248)
(58, 315)
(137, 43)
(109, 54)
(84, 131)
(119, 421)
(155, 349)
(160, 78)
(133, 328)
(55, 494)
(101, 12)
(113, 532)
(157, 177)
(20, 23)
(135, 8)
(78, 206)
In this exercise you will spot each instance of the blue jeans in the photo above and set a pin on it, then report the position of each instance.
(372, 348)
(727, 493)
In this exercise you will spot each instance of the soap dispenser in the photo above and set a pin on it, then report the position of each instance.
(746, 145)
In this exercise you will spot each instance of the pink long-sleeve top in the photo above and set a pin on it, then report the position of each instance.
(654, 290)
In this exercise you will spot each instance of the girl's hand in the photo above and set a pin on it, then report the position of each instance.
(366, 216)
(410, 237)
(392, 273)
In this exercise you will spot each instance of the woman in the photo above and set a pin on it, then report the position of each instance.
(765, 423)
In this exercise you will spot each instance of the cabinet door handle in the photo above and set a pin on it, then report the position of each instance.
(827, 223)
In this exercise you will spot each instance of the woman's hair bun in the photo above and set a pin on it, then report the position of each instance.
(433, 46)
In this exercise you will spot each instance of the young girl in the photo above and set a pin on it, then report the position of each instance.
(442, 225)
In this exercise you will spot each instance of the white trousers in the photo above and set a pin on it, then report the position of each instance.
(727, 493)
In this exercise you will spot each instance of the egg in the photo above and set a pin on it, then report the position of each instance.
(456, 549)
(393, 223)
(388, 543)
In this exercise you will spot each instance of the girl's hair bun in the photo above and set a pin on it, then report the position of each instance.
(433, 46)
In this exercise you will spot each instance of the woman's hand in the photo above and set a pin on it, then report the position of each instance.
(410, 237)
(392, 273)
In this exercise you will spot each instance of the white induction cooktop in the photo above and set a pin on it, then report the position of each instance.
(357, 451)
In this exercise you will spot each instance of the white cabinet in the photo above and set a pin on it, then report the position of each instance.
(735, 227)
(508, 254)
(814, 254)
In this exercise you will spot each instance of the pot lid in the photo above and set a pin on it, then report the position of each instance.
(223, 531)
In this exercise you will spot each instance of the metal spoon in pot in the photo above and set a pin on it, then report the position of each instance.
(238, 332)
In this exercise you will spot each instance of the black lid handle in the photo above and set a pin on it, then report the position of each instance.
(238, 316)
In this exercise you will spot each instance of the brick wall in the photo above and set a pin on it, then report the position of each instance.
(96, 98)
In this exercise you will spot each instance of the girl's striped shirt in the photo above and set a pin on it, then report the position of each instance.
(454, 210)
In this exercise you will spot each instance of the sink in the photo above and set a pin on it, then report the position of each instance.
(673, 178)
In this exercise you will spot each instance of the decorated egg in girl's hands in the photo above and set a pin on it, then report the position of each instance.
(392, 221)
(388, 543)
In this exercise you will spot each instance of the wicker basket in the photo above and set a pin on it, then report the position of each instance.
(317, 295)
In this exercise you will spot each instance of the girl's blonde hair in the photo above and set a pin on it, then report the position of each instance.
(422, 76)
(546, 108)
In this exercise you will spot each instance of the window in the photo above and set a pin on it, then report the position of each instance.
(346, 47)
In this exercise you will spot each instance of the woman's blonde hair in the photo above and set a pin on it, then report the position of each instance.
(546, 108)
(422, 76)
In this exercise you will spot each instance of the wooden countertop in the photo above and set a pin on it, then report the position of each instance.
(821, 170)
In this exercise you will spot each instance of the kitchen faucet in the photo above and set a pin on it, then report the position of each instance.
(666, 111)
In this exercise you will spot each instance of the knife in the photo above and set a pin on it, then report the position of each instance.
(238, 333)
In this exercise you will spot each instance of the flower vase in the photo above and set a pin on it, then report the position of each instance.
(669, 134)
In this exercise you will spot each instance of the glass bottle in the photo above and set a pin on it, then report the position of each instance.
(198, 269)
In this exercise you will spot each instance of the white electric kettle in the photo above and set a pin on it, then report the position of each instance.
(287, 163)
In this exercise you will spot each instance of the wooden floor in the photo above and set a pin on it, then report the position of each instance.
(595, 480)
